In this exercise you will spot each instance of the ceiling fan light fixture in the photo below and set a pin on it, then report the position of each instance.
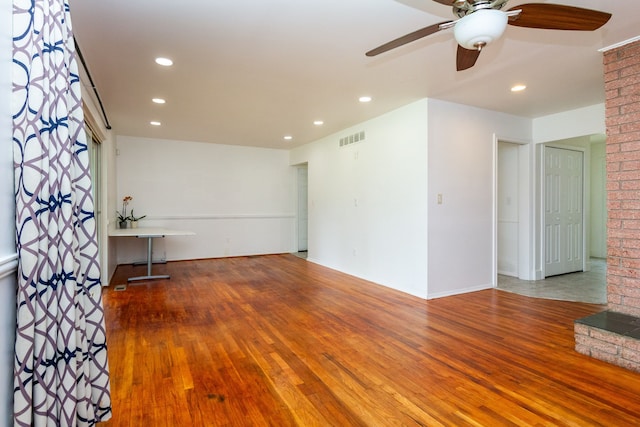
(480, 28)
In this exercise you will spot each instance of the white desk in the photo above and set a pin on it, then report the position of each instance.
(148, 233)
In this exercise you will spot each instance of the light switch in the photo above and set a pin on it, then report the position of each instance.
(439, 198)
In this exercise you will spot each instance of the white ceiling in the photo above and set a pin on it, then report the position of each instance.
(248, 72)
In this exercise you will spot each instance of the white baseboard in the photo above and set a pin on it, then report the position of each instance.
(459, 291)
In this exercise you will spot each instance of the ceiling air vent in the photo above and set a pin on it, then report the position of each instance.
(352, 139)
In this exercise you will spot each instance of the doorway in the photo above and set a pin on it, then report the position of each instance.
(513, 210)
(507, 207)
(303, 208)
(588, 284)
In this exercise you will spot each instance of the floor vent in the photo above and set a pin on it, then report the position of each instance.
(352, 139)
(120, 288)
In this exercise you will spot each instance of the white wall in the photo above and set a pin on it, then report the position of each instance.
(373, 206)
(367, 201)
(462, 162)
(8, 263)
(238, 200)
(570, 124)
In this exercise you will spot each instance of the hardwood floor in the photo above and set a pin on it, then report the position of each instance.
(275, 340)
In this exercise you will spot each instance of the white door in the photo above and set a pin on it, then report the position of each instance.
(303, 209)
(563, 211)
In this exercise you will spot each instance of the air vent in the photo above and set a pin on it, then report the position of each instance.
(352, 139)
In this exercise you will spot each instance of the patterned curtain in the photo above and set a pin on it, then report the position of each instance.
(61, 373)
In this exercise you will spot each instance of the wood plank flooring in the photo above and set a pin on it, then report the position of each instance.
(276, 340)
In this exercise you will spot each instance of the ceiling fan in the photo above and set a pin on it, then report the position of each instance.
(482, 21)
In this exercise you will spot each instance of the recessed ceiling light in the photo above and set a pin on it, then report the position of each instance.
(288, 137)
(518, 88)
(155, 123)
(318, 122)
(159, 100)
(365, 99)
(165, 62)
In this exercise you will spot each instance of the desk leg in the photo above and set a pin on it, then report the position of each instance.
(149, 276)
(148, 261)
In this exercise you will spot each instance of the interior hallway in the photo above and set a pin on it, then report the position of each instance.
(588, 286)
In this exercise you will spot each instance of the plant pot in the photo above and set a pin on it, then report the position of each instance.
(134, 224)
(122, 224)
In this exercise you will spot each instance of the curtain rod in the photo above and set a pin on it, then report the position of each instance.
(93, 86)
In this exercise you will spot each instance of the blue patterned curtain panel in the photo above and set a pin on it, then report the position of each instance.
(61, 370)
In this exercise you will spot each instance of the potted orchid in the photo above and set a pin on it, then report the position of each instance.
(122, 216)
(134, 219)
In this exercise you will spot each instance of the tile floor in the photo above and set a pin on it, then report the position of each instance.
(588, 286)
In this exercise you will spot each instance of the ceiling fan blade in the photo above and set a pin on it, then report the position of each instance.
(406, 39)
(466, 58)
(445, 2)
(558, 17)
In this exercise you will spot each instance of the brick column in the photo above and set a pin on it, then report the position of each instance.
(622, 86)
(614, 335)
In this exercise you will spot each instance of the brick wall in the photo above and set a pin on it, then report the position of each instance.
(622, 86)
(602, 340)
(608, 346)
